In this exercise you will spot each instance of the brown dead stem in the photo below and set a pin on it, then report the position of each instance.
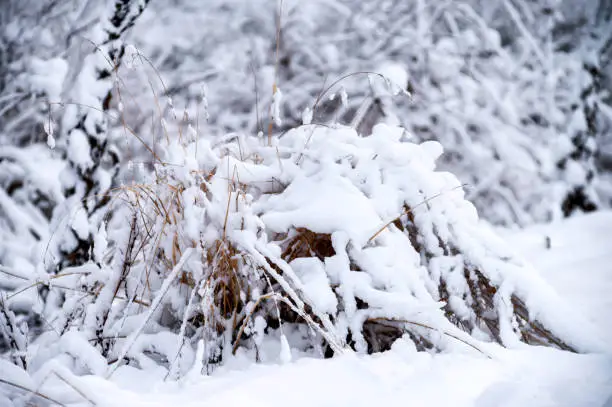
(223, 259)
(425, 326)
(482, 302)
(305, 243)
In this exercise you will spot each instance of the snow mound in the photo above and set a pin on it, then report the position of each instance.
(322, 243)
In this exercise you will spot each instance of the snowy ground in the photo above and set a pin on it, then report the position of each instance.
(578, 264)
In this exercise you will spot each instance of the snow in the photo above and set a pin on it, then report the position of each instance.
(78, 150)
(350, 211)
(395, 239)
(348, 188)
(285, 353)
(275, 108)
(311, 272)
(49, 131)
(132, 339)
(307, 116)
(536, 377)
(396, 77)
(80, 223)
(578, 265)
(48, 76)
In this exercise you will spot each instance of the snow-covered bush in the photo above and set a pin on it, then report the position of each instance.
(323, 242)
(318, 238)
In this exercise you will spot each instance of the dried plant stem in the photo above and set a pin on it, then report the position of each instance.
(274, 85)
(36, 393)
(410, 210)
(247, 318)
(156, 303)
(422, 325)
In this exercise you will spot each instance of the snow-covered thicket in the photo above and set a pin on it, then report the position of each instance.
(31, 70)
(323, 242)
(57, 64)
(263, 222)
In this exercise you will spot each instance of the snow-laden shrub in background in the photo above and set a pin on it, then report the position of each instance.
(494, 81)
